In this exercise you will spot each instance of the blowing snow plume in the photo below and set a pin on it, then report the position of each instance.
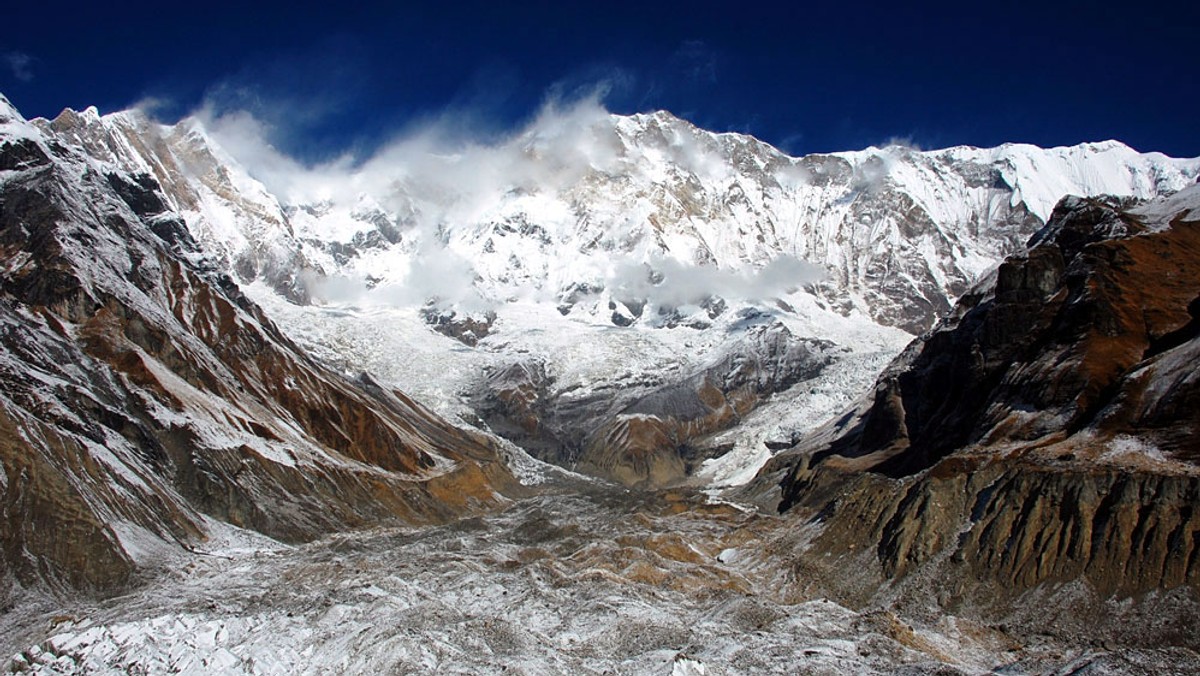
(448, 171)
(576, 199)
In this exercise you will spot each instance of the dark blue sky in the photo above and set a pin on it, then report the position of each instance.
(805, 77)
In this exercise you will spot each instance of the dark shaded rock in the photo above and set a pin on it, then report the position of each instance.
(466, 329)
(516, 402)
(21, 154)
(139, 192)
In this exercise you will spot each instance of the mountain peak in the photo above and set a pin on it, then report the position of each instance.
(8, 111)
(1102, 146)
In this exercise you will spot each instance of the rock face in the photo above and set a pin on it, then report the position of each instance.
(989, 531)
(1045, 432)
(240, 226)
(144, 396)
(657, 438)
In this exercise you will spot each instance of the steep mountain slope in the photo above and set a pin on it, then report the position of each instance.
(1043, 436)
(236, 222)
(660, 246)
(145, 399)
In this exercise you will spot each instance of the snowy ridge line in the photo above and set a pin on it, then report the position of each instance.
(551, 210)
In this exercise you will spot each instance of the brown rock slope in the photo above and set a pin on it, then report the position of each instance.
(142, 395)
(1043, 437)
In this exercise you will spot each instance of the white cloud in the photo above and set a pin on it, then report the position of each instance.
(153, 106)
(446, 165)
(902, 143)
(20, 65)
(431, 273)
(668, 282)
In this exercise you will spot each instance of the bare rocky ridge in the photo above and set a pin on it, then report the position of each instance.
(193, 179)
(1040, 443)
(144, 395)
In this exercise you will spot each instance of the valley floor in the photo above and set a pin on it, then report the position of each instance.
(583, 579)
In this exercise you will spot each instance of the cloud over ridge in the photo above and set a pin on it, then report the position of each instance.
(441, 176)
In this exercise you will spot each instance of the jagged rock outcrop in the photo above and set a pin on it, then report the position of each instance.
(1070, 337)
(514, 400)
(467, 329)
(243, 228)
(1043, 434)
(145, 396)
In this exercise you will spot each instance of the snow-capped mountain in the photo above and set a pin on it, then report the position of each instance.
(630, 297)
(655, 244)
(592, 208)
